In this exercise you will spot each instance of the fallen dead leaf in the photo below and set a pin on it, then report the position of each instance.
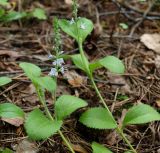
(79, 148)
(158, 102)
(26, 146)
(151, 41)
(75, 79)
(68, 2)
(11, 54)
(17, 121)
(116, 79)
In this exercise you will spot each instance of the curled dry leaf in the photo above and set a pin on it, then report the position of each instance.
(151, 41)
(17, 121)
(75, 79)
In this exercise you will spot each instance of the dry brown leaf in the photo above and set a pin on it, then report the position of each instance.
(151, 41)
(75, 79)
(17, 121)
(79, 148)
(26, 146)
(11, 54)
(68, 2)
(116, 79)
(158, 102)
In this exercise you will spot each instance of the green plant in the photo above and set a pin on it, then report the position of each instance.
(48, 123)
(6, 150)
(12, 15)
(101, 118)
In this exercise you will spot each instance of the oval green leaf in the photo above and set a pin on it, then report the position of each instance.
(4, 80)
(71, 28)
(31, 70)
(141, 114)
(39, 14)
(46, 82)
(67, 104)
(98, 118)
(39, 127)
(113, 64)
(98, 148)
(8, 110)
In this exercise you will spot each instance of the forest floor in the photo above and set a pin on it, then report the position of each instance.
(118, 31)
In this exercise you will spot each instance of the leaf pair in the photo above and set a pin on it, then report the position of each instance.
(111, 63)
(34, 73)
(64, 106)
(99, 118)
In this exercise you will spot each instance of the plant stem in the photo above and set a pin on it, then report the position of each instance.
(42, 100)
(118, 128)
(125, 139)
(66, 141)
(101, 98)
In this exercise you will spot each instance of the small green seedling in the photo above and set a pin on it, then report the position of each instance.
(123, 26)
(12, 15)
(98, 117)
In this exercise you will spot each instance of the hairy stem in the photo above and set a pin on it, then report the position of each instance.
(42, 100)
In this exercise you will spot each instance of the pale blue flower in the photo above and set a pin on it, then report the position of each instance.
(58, 62)
(50, 56)
(53, 72)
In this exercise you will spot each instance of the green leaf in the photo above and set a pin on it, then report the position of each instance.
(47, 82)
(6, 150)
(98, 148)
(39, 127)
(95, 65)
(31, 70)
(8, 110)
(67, 104)
(98, 118)
(77, 60)
(73, 31)
(123, 26)
(13, 15)
(2, 12)
(128, 152)
(112, 63)
(39, 14)
(4, 2)
(4, 80)
(141, 114)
